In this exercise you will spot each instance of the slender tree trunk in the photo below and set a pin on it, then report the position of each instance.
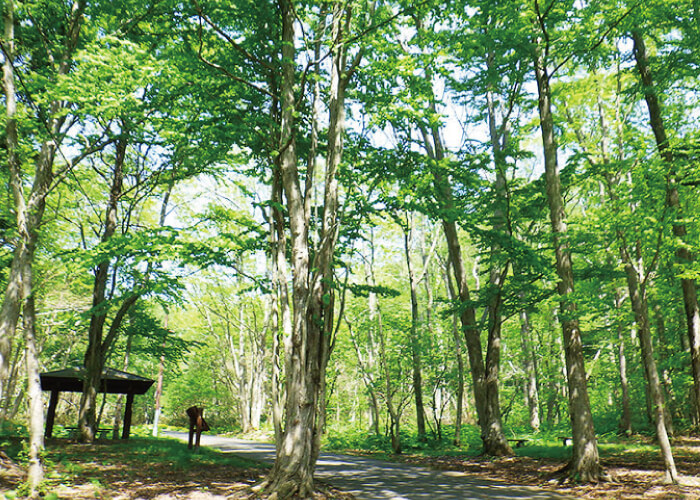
(35, 470)
(585, 461)
(626, 417)
(9, 409)
(394, 413)
(665, 376)
(495, 442)
(638, 299)
(460, 358)
(415, 341)
(530, 369)
(159, 385)
(117, 422)
(282, 322)
(94, 355)
(683, 254)
(485, 387)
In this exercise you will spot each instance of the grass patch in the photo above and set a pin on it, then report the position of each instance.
(145, 466)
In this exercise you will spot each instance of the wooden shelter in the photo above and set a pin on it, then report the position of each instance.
(112, 382)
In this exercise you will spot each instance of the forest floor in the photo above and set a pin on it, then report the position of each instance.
(149, 469)
(637, 472)
(141, 469)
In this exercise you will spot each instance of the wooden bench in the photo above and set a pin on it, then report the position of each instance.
(519, 442)
(74, 432)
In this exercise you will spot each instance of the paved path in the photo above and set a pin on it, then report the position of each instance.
(375, 479)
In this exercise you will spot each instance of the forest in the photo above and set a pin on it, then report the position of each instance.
(394, 220)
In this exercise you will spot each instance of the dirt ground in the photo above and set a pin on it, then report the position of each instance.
(635, 475)
(100, 475)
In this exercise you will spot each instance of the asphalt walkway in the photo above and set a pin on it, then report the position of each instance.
(367, 478)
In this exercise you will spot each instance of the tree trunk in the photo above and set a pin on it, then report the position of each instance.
(9, 314)
(29, 212)
(94, 355)
(665, 376)
(313, 296)
(585, 461)
(530, 369)
(35, 469)
(495, 442)
(459, 396)
(394, 412)
(281, 319)
(159, 388)
(683, 255)
(415, 341)
(638, 299)
(117, 422)
(626, 417)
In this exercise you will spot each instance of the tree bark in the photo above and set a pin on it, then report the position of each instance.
(117, 422)
(415, 347)
(665, 376)
(159, 388)
(29, 211)
(495, 442)
(312, 282)
(35, 469)
(292, 473)
(281, 319)
(640, 307)
(459, 396)
(485, 390)
(9, 314)
(683, 254)
(626, 417)
(94, 355)
(585, 461)
(530, 369)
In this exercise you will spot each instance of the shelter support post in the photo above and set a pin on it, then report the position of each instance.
(51, 414)
(127, 415)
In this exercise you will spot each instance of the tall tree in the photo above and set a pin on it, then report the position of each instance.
(308, 349)
(683, 253)
(585, 461)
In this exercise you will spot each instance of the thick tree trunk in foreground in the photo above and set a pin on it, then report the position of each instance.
(683, 255)
(585, 461)
(309, 346)
(280, 314)
(9, 314)
(30, 211)
(35, 470)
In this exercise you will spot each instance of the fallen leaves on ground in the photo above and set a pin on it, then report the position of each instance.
(636, 475)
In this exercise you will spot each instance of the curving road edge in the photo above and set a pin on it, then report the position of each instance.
(368, 478)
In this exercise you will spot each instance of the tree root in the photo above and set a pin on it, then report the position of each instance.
(566, 475)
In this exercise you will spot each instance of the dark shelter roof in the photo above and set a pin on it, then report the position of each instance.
(113, 381)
